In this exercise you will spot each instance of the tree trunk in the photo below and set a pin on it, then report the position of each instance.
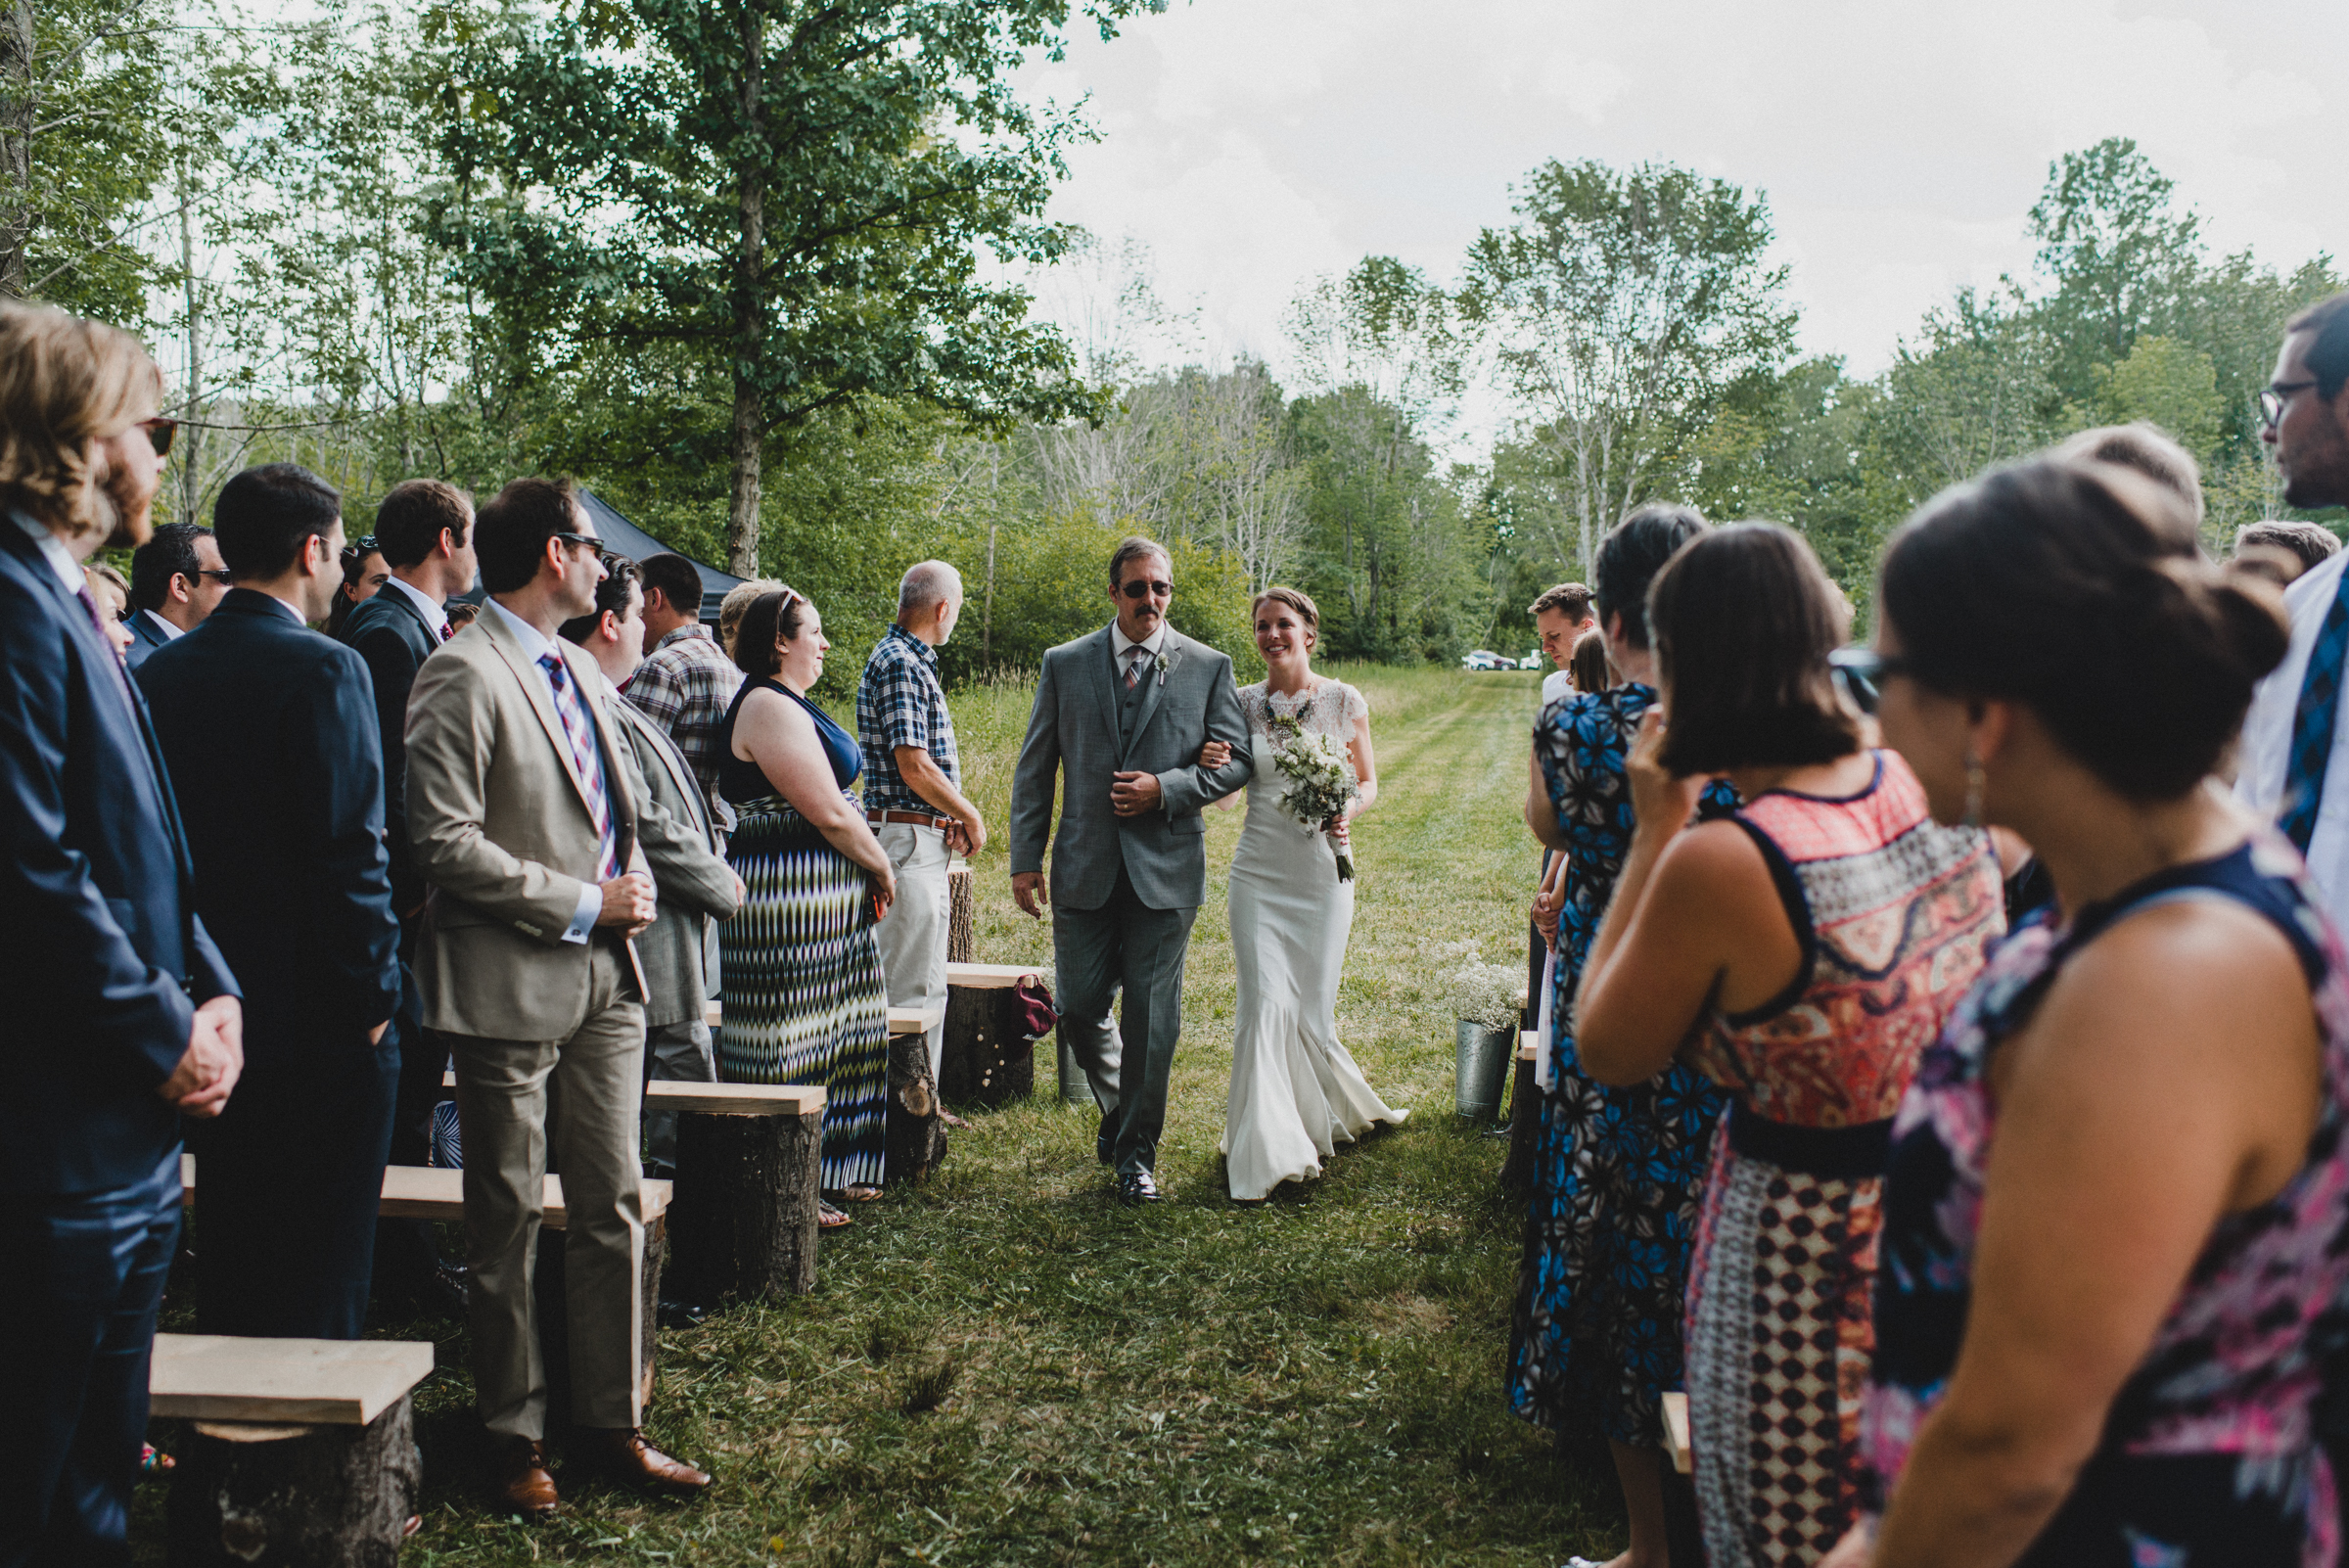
(1525, 1129)
(962, 916)
(915, 1141)
(191, 391)
(750, 312)
(288, 1496)
(16, 143)
(983, 1062)
(743, 1223)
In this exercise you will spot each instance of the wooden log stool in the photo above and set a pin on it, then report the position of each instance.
(749, 1160)
(914, 1138)
(303, 1451)
(1525, 1117)
(962, 914)
(985, 1060)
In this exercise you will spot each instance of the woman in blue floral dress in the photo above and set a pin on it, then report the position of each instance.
(1595, 1340)
(2115, 1237)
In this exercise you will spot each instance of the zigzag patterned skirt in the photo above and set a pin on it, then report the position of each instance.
(805, 1000)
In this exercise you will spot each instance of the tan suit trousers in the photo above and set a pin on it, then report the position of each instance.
(516, 1100)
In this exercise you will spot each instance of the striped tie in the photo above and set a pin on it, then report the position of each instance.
(1133, 664)
(583, 754)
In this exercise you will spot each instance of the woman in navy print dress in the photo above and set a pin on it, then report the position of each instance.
(1595, 1340)
(2116, 1218)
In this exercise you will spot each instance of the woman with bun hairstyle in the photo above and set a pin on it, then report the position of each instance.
(1801, 949)
(2116, 1223)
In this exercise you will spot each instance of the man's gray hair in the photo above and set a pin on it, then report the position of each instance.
(925, 584)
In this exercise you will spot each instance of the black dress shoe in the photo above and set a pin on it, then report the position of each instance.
(1137, 1186)
(1105, 1142)
(680, 1314)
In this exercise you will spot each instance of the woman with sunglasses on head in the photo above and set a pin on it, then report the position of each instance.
(805, 998)
(2116, 1223)
(1801, 949)
(363, 572)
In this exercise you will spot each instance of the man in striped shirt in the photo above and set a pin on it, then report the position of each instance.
(686, 683)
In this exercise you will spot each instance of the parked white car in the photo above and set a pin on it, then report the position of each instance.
(1532, 661)
(1484, 659)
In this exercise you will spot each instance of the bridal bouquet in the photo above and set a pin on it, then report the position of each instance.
(1320, 782)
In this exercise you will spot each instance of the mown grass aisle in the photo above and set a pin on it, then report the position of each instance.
(1005, 1366)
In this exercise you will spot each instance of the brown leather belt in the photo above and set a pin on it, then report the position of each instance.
(910, 819)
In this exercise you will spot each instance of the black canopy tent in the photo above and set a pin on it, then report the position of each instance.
(625, 537)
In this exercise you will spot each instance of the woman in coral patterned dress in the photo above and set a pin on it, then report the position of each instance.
(2116, 1220)
(1801, 950)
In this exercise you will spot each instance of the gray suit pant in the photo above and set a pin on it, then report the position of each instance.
(679, 1052)
(1123, 942)
(518, 1100)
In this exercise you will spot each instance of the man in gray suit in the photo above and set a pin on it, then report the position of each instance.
(1124, 714)
(694, 884)
(528, 818)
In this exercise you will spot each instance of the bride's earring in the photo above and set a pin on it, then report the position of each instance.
(1975, 783)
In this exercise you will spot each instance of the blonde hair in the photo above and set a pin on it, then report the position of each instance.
(739, 598)
(65, 385)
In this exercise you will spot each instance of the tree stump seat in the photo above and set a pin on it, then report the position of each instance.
(302, 1450)
(1525, 1117)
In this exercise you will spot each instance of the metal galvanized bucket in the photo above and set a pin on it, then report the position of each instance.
(1075, 1087)
(1484, 1055)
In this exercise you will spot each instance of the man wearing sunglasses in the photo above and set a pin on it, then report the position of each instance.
(176, 578)
(1122, 715)
(2291, 762)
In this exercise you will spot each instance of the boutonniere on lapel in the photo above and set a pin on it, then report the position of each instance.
(1163, 664)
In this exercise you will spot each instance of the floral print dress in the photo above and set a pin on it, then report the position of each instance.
(1595, 1337)
(2208, 1455)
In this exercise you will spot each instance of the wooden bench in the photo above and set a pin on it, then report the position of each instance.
(303, 1451)
(1525, 1115)
(984, 1059)
(1676, 1433)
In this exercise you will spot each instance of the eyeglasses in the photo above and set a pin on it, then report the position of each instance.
(364, 545)
(586, 541)
(159, 430)
(1863, 671)
(1138, 588)
(2274, 396)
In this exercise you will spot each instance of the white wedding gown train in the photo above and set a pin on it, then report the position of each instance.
(1296, 1093)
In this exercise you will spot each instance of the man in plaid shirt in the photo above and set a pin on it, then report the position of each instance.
(913, 787)
(685, 684)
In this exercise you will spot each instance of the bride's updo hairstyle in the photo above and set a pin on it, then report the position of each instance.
(2078, 589)
(1743, 619)
(1296, 599)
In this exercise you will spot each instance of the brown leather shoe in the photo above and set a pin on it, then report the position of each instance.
(622, 1453)
(524, 1484)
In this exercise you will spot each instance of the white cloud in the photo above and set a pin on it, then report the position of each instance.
(1254, 144)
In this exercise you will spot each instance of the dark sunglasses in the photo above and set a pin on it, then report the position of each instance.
(159, 430)
(1138, 588)
(586, 541)
(364, 545)
(216, 574)
(1863, 671)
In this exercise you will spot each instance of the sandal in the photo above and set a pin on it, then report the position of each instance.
(828, 1218)
(861, 1193)
(153, 1461)
(949, 1119)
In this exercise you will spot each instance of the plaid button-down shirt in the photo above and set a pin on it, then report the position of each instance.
(900, 702)
(685, 687)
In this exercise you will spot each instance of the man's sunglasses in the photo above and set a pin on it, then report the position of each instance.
(1863, 671)
(216, 574)
(586, 541)
(1139, 588)
(159, 430)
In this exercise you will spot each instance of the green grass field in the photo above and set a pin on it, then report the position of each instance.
(1007, 1366)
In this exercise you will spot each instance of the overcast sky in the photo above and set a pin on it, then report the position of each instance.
(1256, 144)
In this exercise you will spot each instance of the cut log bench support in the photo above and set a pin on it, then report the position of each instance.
(302, 1450)
(430, 1192)
(962, 913)
(1525, 1117)
(1676, 1433)
(985, 1061)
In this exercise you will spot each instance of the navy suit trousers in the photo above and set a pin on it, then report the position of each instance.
(82, 1279)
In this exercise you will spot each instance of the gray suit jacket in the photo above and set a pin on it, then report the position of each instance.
(696, 885)
(1074, 728)
(497, 819)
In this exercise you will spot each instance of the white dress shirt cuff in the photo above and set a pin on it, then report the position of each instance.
(591, 905)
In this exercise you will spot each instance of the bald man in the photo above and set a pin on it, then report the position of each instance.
(913, 788)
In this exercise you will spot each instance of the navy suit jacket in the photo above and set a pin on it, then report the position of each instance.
(269, 731)
(391, 637)
(145, 638)
(102, 955)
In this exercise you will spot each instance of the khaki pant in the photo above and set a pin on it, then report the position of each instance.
(516, 1101)
(913, 934)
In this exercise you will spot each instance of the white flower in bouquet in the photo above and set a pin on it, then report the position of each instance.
(1320, 782)
(1485, 993)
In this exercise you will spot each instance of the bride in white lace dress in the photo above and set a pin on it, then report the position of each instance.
(1296, 1093)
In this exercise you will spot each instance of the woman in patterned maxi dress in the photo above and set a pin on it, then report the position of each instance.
(804, 1000)
(1801, 950)
(1595, 1336)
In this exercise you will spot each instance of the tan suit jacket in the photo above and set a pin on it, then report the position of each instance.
(694, 883)
(498, 821)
